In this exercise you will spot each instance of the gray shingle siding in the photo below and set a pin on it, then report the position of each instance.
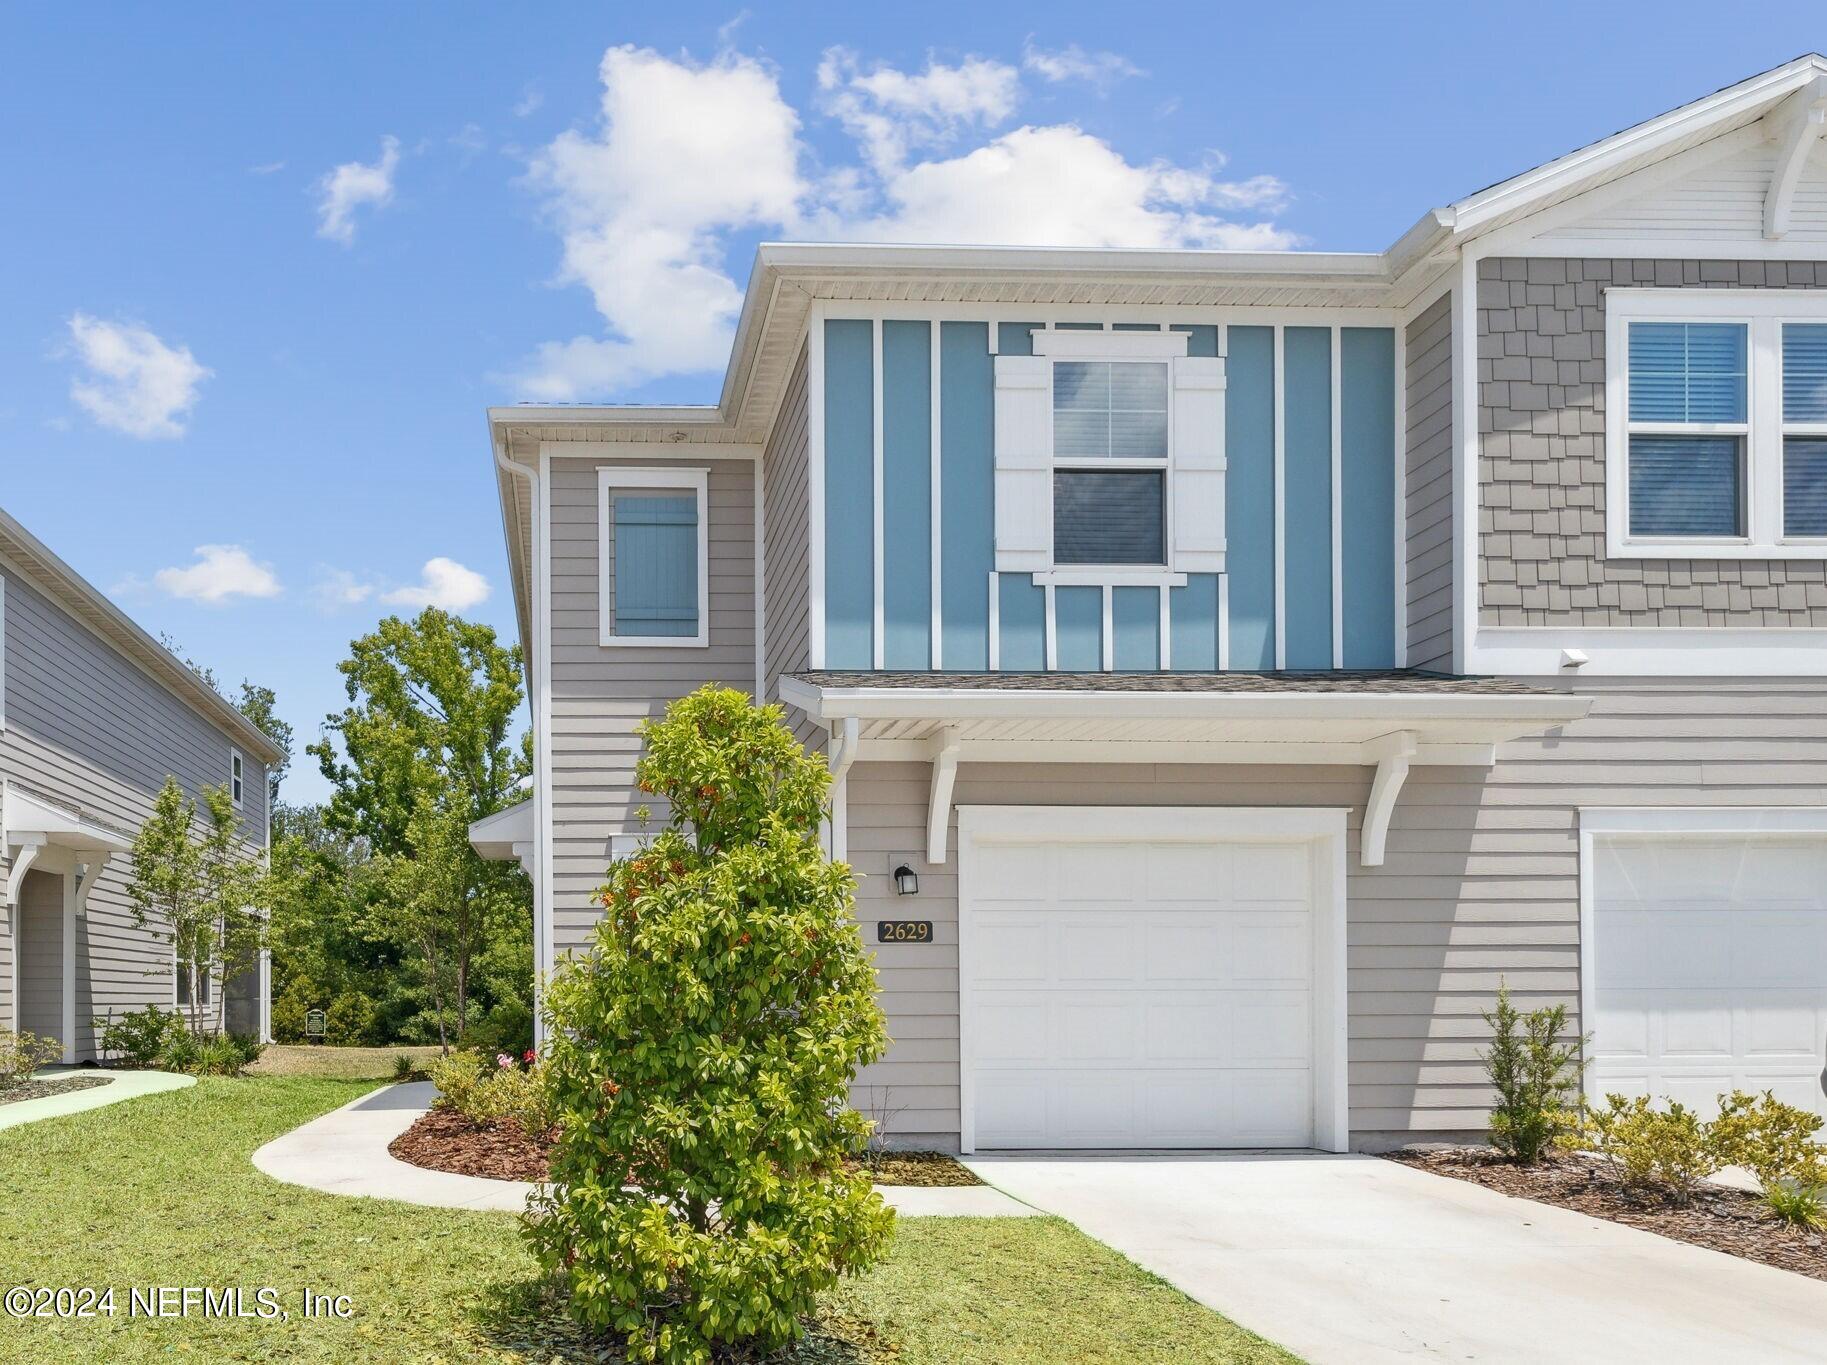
(1541, 468)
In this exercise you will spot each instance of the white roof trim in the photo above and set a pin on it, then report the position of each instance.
(494, 836)
(29, 819)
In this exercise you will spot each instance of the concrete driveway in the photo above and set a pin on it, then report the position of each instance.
(1357, 1260)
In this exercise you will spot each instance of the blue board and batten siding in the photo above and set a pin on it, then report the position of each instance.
(1274, 607)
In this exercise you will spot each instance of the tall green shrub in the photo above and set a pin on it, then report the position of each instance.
(699, 1057)
(1535, 1076)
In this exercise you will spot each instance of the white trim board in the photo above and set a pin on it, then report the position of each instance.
(1647, 823)
(1650, 651)
(1324, 827)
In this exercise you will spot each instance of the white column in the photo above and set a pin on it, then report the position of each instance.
(69, 968)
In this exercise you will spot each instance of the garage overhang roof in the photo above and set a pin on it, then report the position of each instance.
(30, 825)
(506, 834)
(1391, 719)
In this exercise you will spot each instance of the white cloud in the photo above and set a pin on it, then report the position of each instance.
(351, 185)
(530, 100)
(469, 141)
(335, 588)
(688, 154)
(266, 168)
(443, 583)
(136, 383)
(220, 573)
(889, 112)
(1073, 63)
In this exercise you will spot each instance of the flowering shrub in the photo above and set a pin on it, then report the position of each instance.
(701, 1056)
(506, 1092)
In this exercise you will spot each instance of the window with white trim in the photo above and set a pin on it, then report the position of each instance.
(1109, 458)
(181, 996)
(1716, 424)
(235, 771)
(653, 557)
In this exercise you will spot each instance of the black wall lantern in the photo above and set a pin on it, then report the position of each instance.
(906, 881)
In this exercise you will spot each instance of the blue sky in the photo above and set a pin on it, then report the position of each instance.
(264, 266)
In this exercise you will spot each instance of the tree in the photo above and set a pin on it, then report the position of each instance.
(424, 752)
(202, 888)
(257, 705)
(700, 1056)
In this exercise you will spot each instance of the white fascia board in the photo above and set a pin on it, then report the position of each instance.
(650, 450)
(895, 703)
(1324, 753)
(1651, 651)
(1553, 176)
(1117, 263)
(1672, 821)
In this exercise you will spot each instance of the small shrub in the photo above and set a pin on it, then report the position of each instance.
(403, 1069)
(1772, 1140)
(1802, 1206)
(508, 1027)
(289, 1010)
(141, 1038)
(505, 1091)
(349, 1021)
(1534, 1074)
(1666, 1147)
(22, 1053)
(247, 1046)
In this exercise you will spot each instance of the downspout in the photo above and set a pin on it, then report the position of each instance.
(535, 639)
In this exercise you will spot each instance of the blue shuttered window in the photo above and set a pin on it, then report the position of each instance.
(1805, 452)
(1688, 374)
(1109, 410)
(656, 564)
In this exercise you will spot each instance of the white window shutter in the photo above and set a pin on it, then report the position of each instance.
(1198, 460)
(1024, 463)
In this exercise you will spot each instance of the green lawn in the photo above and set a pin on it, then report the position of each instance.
(159, 1191)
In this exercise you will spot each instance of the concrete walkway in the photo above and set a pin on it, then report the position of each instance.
(345, 1152)
(1357, 1260)
(122, 1085)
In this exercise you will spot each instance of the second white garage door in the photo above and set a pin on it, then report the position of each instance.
(1710, 966)
(1121, 990)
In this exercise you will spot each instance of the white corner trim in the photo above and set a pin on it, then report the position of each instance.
(1395, 753)
(1641, 823)
(935, 446)
(67, 921)
(1280, 423)
(1337, 529)
(1798, 122)
(815, 485)
(878, 629)
(694, 481)
(944, 749)
(1322, 827)
(1465, 461)
(1650, 651)
(761, 583)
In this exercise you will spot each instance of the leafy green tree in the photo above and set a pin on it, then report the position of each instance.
(420, 753)
(197, 883)
(257, 704)
(700, 1057)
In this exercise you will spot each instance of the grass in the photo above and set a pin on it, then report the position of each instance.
(339, 1063)
(159, 1191)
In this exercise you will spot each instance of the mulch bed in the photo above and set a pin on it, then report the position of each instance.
(58, 1085)
(444, 1140)
(916, 1168)
(1733, 1221)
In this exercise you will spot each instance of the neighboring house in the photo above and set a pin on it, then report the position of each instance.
(1256, 659)
(94, 714)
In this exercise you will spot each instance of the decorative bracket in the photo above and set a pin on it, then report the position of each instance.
(91, 875)
(24, 849)
(944, 746)
(1392, 754)
(1798, 122)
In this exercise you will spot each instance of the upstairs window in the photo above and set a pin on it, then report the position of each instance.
(1716, 433)
(654, 553)
(234, 775)
(1110, 452)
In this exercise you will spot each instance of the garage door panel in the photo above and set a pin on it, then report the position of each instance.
(1271, 950)
(1788, 1026)
(1782, 949)
(1012, 1029)
(1095, 950)
(1184, 948)
(1271, 1029)
(1105, 873)
(1017, 872)
(1269, 873)
(1271, 1107)
(1011, 948)
(1096, 1031)
(1186, 872)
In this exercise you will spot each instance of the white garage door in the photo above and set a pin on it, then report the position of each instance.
(1710, 959)
(1134, 993)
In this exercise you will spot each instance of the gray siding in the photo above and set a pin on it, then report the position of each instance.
(41, 955)
(600, 694)
(1429, 486)
(90, 731)
(1541, 475)
(1481, 880)
(786, 543)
